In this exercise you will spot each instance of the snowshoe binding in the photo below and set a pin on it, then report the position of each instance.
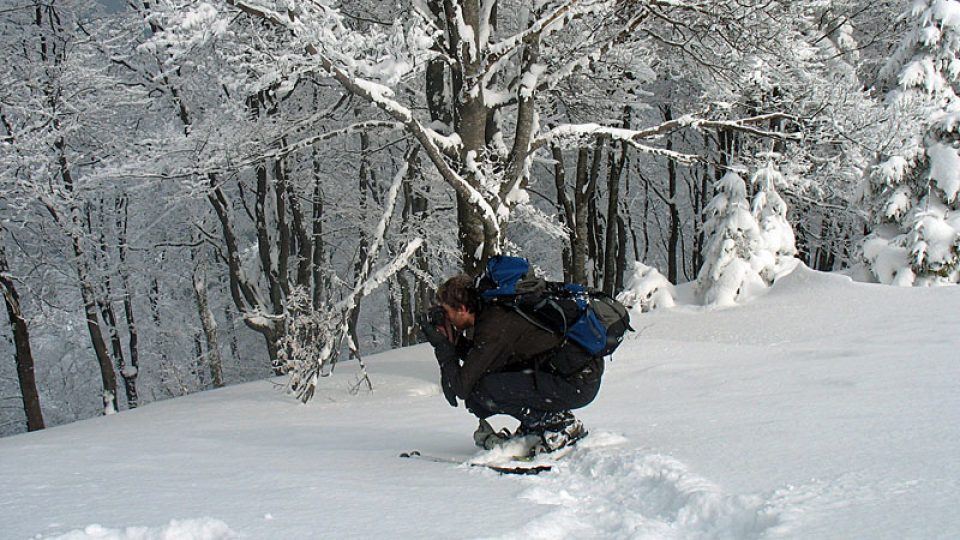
(488, 439)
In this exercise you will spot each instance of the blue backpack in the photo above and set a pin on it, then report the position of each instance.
(591, 319)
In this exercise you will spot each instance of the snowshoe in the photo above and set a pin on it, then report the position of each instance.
(559, 437)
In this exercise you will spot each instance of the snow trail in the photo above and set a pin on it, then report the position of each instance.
(604, 492)
(188, 529)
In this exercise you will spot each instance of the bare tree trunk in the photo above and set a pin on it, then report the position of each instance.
(408, 297)
(568, 216)
(613, 253)
(579, 242)
(673, 240)
(283, 232)
(436, 83)
(303, 241)
(198, 361)
(107, 375)
(594, 227)
(621, 252)
(132, 371)
(264, 242)
(208, 322)
(320, 284)
(478, 242)
(26, 375)
(701, 198)
(365, 187)
(107, 313)
(109, 318)
(243, 292)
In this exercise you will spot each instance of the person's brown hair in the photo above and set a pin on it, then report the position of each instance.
(459, 291)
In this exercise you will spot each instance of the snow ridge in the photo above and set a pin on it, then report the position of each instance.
(612, 493)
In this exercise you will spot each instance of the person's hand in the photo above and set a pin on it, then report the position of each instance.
(448, 390)
(432, 325)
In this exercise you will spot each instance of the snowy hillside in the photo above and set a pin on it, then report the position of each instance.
(824, 409)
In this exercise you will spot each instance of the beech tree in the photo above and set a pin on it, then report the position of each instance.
(494, 74)
(56, 145)
(26, 374)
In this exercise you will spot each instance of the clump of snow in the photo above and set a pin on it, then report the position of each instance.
(188, 529)
(945, 169)
(899, 202)
(646, 289)
(888, 262)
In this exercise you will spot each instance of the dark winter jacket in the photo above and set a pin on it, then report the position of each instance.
(502, 341)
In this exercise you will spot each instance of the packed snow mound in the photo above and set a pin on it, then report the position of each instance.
(803, 281)
(188, 529)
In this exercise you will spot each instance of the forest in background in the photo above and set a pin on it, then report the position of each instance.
(198, 193)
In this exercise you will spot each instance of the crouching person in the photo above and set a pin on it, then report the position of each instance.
(498, 362)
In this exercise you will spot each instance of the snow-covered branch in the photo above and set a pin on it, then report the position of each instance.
(574, 135)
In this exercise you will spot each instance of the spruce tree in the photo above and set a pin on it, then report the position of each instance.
(777, 239)
(733, 239)
(912, 189)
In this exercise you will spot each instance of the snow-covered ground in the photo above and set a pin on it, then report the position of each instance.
(824, 409)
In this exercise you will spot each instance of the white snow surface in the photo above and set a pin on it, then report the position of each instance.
(822, 409)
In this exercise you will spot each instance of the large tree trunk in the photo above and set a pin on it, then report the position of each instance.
(673, 239)
(26, 375)
(580, 239)
(613, 252)
(365, 186)
(568, 217)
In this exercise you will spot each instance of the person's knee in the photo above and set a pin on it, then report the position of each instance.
(586, 393)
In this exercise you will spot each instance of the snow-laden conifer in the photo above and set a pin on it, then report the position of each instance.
(733, 237)
(912, 189)
(777, 239)
(749, 243)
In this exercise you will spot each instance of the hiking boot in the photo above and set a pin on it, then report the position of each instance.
(488, 439)
(559, 436)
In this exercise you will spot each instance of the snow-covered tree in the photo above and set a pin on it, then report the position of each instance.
(58, 141)
(733, 239)
(748, 244)
(777, 239)
(484, 130)
(912, 190)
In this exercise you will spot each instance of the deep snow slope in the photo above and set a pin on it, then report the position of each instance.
(824, 409)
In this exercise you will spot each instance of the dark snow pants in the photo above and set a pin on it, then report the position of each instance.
(531, 394)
